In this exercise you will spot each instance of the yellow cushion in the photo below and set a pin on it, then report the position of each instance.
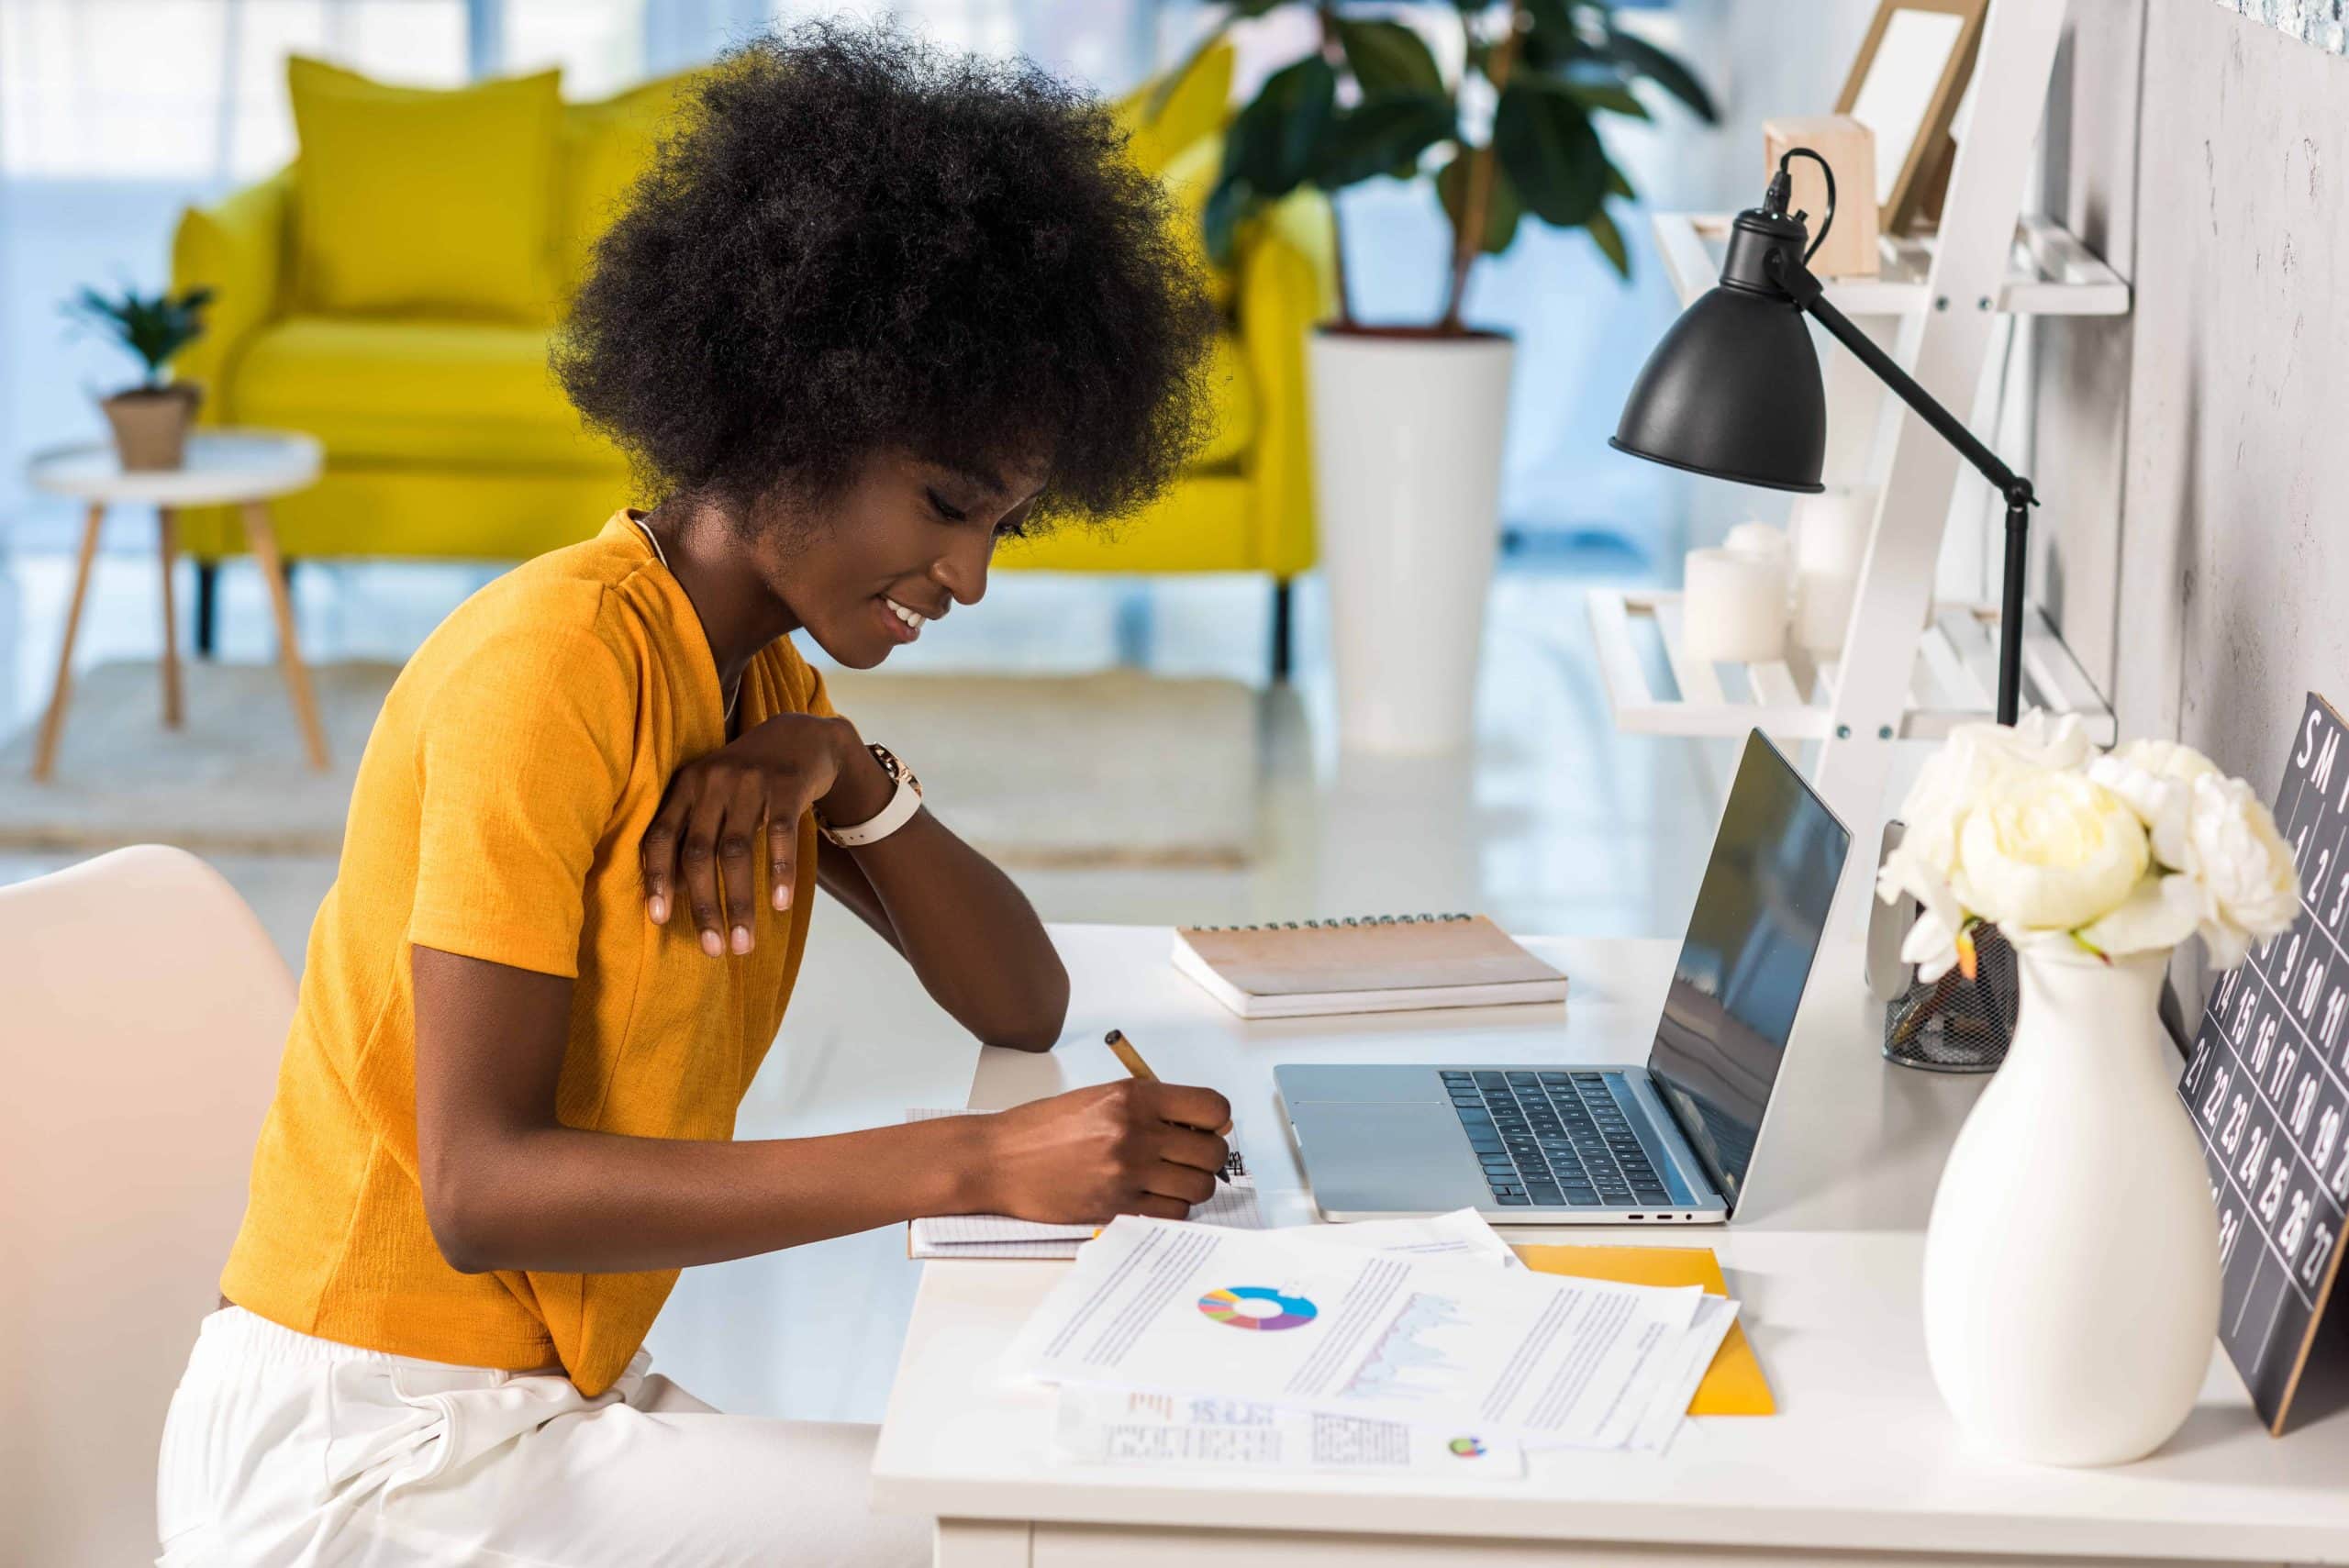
(437, 393)
(1235, 404)
(604, 147)
(1193, 108)
(1190, 178)
(409, 199)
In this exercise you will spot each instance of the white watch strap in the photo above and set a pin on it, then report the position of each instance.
(894, 816)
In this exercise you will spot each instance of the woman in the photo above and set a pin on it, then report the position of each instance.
(873, 310)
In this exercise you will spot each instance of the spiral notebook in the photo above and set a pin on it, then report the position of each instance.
(1379, 963)
(1232, 1204)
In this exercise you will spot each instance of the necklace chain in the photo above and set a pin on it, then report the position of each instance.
(663, 557)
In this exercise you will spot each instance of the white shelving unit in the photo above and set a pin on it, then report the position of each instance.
(2049, 272)
(1953, 681)
(1912, 668)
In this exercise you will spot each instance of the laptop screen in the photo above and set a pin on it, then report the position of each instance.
(1747, 956)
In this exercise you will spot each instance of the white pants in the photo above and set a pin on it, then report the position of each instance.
(285, 1449)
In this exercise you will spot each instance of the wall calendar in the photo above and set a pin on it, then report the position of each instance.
(2268, 1086)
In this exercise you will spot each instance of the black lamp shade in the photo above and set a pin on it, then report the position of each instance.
(1734, 392)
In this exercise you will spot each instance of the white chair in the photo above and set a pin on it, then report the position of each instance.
(143, 1012)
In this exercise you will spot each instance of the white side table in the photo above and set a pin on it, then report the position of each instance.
(225, 467)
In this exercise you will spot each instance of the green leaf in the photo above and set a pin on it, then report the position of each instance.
(1543, 137)
(1612, 97)
(1641, 58)
(1387, 57)
(1276, 141)
(1619, 184)
(1502, 206)
(1551, 41)
(1609, 240)
(1381, 134)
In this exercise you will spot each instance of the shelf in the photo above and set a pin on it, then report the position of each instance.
(2050, 273)
(1955, 679)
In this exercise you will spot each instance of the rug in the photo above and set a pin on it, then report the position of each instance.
(1114, 769)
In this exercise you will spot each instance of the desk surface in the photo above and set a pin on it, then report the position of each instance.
(1825, 1256)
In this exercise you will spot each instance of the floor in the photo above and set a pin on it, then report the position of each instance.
(1553, 823)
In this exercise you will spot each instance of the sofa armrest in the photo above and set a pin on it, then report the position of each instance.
(1287, 287)
(237, 248)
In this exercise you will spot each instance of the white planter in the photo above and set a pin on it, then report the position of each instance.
(1406, 448)
(2072, 1265)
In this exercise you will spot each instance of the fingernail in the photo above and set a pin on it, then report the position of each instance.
(742, 938)
(711, 945)
(782, 897)
(659, 909)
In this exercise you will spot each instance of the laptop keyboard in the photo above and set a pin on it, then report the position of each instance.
(1553, 1139)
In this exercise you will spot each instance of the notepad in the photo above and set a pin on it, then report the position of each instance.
(1232, 1204)
(1371, 964)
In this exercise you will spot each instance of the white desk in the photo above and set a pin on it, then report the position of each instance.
(1862, 1459)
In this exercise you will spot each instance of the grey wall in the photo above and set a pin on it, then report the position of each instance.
(2194, 457)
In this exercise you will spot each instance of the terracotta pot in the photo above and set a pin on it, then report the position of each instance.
(151, 424)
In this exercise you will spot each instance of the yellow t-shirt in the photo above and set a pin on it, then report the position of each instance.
(498, 813)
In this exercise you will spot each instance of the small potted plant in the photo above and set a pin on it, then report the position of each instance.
(150, 420)
(1409, 421)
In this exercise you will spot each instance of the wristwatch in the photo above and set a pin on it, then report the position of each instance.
(892, 817)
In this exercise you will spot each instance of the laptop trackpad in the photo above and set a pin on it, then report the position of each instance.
(1366, 1159)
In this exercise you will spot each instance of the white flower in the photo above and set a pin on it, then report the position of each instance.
(2047, 851)
(2239, 866)
(1955, 779)
(2162, 912)
(2154, 777)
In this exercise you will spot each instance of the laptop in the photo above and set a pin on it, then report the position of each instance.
(1551, 1144)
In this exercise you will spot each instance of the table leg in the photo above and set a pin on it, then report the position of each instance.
(53, 722)
(167, 540)
(263, 539)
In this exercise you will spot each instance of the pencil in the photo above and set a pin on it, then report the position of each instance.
(1131, 1059)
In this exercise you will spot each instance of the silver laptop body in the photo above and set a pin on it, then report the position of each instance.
(1549, 1143)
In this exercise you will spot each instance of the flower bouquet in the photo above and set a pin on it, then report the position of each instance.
(2071, 1289)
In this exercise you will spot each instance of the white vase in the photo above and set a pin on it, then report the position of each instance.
(2071, 1288)
(1407, 433)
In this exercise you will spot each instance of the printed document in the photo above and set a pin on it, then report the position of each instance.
(1104, 1425)
(1163, 1307)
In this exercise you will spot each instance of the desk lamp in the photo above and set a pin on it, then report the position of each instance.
(1733, 390)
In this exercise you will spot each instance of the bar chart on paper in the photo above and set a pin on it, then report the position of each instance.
(1407, 1360)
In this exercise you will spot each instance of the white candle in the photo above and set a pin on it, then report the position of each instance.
(1823, 610)
(1831, 530)
(1734, 607)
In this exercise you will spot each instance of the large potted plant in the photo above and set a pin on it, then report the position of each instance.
(150, 420)
(1409, 421)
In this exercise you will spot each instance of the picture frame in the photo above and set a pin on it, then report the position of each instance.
(1906, 84)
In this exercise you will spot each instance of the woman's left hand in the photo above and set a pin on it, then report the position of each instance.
(715, 806)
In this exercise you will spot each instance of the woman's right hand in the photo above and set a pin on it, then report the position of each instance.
(1130, 1147)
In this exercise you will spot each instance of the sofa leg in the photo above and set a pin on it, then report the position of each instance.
(207, 601)
(1283, 633)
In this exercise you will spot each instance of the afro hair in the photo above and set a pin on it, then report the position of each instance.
(850, 242)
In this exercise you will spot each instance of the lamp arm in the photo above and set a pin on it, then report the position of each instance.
(1807, 292)
(1788, 272)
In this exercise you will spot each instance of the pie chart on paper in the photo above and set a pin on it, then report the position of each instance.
(1257, 1306)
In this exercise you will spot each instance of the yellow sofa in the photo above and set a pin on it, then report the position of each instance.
(447, 437)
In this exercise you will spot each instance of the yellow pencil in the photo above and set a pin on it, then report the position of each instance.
(1131, 1059)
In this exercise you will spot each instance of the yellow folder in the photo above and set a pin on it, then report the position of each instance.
(1733, 1385)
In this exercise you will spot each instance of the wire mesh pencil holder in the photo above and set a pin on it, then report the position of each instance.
(1954, 1024)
